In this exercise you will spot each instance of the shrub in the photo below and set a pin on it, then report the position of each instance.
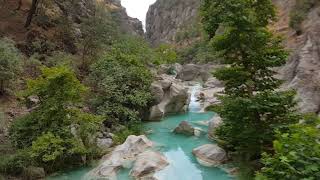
(16, 163)
(297, 153)
(57, 131)
(10, 65)
(300, 12)
(121, 82)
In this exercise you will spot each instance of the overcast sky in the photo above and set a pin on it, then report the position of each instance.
(137, 8)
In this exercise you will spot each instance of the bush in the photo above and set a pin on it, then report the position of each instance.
(121, 82)
(10, 65)
(300, 12)
(57, 131)
(297, 153)
(16, 163)
(165, 54)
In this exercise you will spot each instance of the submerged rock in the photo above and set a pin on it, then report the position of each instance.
(122, 156)
(210, 155)
(184, 128)
(147, 164)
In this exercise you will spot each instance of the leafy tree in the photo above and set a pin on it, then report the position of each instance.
(251, 109)
(121, 81)
(297, 153)
(10, 64)
(98, 32)
(165, 54)
(57, 132)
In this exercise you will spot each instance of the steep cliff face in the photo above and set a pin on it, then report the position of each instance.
(167, 18)
(57, 24)
(130, 25)
(302, 71)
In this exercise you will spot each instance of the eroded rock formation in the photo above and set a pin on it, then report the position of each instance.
(166, 18)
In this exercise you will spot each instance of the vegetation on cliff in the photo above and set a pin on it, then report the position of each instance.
(254, 112)
(91, 77)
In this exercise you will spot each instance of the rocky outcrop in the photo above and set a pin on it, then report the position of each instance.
(184, 128)
(128, 24)
(170, 96)
(166, 18)
(147, 164)
(122, 156)
(214, 123)
(302, 71)
(210, 155)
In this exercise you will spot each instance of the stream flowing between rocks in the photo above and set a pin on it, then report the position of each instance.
(177, 148)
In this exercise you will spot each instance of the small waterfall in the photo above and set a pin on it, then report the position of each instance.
(195, 105)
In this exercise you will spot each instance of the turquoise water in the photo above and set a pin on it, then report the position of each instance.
(177, 149)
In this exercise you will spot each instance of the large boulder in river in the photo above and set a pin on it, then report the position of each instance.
(184, 128)
(193, 72)
(210, 155)
(214, 123)
(147, 164)
(122, 156)
(170, 96)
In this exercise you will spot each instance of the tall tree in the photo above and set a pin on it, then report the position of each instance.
(251, 108)
(31, 13)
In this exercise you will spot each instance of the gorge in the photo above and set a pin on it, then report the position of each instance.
(87, 92)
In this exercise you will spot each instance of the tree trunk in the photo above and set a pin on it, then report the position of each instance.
(31, 13)
(19, 5)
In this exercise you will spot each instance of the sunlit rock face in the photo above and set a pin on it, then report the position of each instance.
(128, 24)
(302, 71)
(166, 18)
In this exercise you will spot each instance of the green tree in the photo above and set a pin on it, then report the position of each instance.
(10, 65)
(251, 109)
(165, 54)
(121, 81)
(57, 131)
(98, 32)
(297, 153)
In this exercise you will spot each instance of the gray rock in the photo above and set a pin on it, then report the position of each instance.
(157, 92)
(104, 143)
(122, 156)
(147, 164)
(174, 97)
(213, 124)
(210, 155)
(165, 19)
(184, 128)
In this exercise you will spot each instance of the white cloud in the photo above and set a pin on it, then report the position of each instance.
(137, 8)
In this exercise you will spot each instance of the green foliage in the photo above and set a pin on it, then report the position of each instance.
(200, 52)
(122, 81)
(251, 109)
(98, 32)
(10, 65)
(16, 163)
(57, 131)
(48, 147)
(300, 12)
(165, 54)
(297, 153)
(132, 129)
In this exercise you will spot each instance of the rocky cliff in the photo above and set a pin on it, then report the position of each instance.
(168, 19)
(302, 71)
(130, 25)
(57, 24)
